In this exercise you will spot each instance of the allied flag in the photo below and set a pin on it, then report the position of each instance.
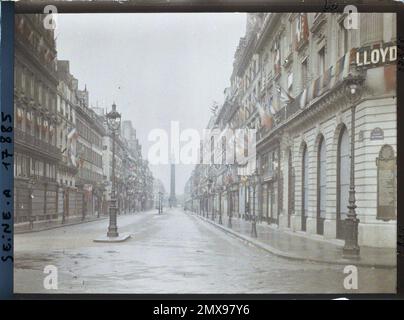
(73, 134)
(390, 77)
(303, 98)
(284, 96)
(271, 106)
(315, 88)
(302, 29)
(265, 117)
(277, 60)
(339, 67)
(327, 78)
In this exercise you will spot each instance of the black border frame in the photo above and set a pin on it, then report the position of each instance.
(8, 9)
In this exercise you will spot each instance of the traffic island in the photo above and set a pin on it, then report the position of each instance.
(121, 238)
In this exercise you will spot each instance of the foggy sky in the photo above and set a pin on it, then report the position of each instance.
(157, 67)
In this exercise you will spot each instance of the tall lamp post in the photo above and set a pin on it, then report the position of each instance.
(209, 204)
(254, 217)
(220, 188)
(160, 203)
(351, 248)
(229, 213)
(229, 181)
(114, 123)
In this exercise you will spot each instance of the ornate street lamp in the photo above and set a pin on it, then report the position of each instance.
(114, 123)
(255, 179)
(220, 204)
(160, 202)
(229, 181)
(210, 181)
(351, 248)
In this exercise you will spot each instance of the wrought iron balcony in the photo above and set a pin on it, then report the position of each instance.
(36, 145)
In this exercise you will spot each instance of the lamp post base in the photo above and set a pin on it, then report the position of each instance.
(112, 233)
(120, 238)
(351, 249)
(254, 229)
(352, 253)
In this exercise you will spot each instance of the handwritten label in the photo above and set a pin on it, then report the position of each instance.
(6, 130)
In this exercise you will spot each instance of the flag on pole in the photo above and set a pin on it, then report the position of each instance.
(303, 98)
(271, 107)
(265, 117)
(73, 134)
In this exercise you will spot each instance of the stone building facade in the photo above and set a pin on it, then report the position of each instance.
(60, 140)
(35, 95)
(90, 177)
(70, 199)
(299, 80)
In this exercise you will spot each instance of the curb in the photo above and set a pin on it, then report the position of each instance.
(290, 256)
(59, 226)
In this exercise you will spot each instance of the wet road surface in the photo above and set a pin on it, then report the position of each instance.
(172, 253)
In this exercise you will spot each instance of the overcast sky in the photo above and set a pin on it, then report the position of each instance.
(157, 67)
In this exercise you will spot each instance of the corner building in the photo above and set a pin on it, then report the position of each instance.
(304, 81)
(304, 157)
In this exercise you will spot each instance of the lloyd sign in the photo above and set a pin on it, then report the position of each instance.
(375, 56)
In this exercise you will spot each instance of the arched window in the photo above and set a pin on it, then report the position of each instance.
(344, 171)
(305, 186)
(321, 185)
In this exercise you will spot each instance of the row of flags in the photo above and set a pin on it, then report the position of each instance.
(301, 34)
(281, 98)
(302, 29)
(44, 125)
(383, 78)
(72, 137)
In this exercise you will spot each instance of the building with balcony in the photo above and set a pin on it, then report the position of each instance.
(306, 151)
(70, 199)
(300, 79)
(35, 106)
(89, 151)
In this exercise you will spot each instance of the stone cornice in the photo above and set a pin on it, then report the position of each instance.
(330, 101)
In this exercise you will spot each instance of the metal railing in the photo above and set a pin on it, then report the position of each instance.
(36, 143)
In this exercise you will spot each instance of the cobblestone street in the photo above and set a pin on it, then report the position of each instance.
(172, 253)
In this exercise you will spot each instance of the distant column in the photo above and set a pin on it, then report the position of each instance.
(172, 200)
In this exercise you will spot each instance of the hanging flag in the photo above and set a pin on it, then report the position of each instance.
(327, 78)
(284, 96)
(390, 77)
(265, 117)
(290, 80)
(305, 26)
(314, 88)
(29, 116)
(303, 98)
(19, 115)
(339, 67)
(298, 33)
(348, 59)
(271, 107)
(277, 57)
(73, 134)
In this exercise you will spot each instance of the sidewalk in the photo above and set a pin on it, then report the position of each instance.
(52, 224)
(295, 246)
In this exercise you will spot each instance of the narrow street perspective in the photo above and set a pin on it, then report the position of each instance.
(172, 252)
(205, 153)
